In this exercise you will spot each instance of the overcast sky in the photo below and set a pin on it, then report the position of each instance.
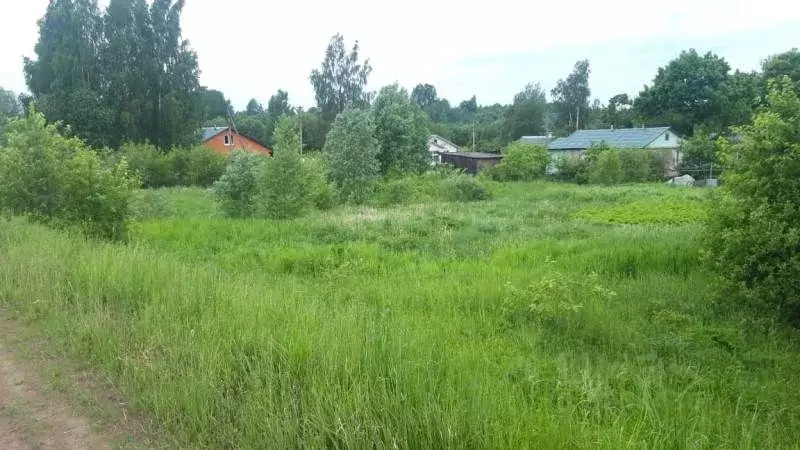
(251, 48)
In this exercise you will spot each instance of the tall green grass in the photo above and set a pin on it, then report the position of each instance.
(509, 323)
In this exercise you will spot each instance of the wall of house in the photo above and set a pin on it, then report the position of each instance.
(238, 142)
(667, 139)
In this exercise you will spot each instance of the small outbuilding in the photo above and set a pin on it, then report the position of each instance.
(471, 162)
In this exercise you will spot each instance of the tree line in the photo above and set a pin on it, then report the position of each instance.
(126, 74)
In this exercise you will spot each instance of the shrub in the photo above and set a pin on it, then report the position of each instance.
(397, 191)
(283, 189)
(608, 169)
(753, 235)
(154, 167)
(197, 166)
(464, 188)
(574, 169)
(522, 162)
(58, 180)
(238, 187)
(320, 190)
(637, 165)
(699, 154)
(353, 154)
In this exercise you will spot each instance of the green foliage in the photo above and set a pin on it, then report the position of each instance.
(526, 115)
(608, 168)
(195, 166)
(215, 105)
(397, 191)
(122, 75)
(464, 188)
(571, 99)
(353, 154)
(283, 190)
(320, 190)
(58, 180)
(695, 91)
(522, 162)
(573, 169)
(698, 154)
(651, 211)
(238, 188)
(784, 64)
(753, 235)
(401, 130)
(638, 166)
(340, 81)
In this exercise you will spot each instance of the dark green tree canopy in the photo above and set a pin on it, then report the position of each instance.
(279, 105)
(690, 91)
(341, 79)
(526, 116)
(571, 99)
(402, 131)
(122, 75)
(787, 63)
(424, 95)
(215, 104)
(254, 108)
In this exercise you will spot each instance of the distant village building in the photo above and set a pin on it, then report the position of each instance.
(224, 140)
(661, 139)
(438, 145)
(544, 141)
(471, 162)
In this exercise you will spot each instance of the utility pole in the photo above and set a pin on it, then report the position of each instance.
(300, 124)
(473, 135)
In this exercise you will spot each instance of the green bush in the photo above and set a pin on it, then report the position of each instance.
(522, 162)
(608, 169)
(352, 151)
(238, 187)
(464, 188)
(637, 165)
(195, 166)
(397, 191)
(572, 169)
(154, 167)
(321, 191)
(283, 187)
(753, 234)
(58, 180)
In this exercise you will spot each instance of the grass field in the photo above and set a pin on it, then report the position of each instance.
(551, 316)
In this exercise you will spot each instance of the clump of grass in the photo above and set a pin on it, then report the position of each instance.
(648, 211)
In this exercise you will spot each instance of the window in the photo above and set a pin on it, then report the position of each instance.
(227, 139)
(666, 136)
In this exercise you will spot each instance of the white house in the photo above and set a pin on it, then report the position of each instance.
(437, 145)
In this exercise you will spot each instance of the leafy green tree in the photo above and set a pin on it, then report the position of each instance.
(65, 79)
(215, 105)
(571, 99)
(254, 108)
(284, 182)
(353, 154)
(314, 129)
(340, 81)
(637, 166)
(57, 180)
(522, 162)
(401, 130)
(279, 105)
(692, 90)
(424, 95)
(526, 116)
(619, 112)
(753, 232)
(9, 107)
(119, 76)
(786, 63)
(238, 188)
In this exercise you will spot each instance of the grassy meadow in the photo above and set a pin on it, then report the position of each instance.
(552, 316)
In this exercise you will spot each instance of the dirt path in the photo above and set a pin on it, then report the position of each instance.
(34, 415)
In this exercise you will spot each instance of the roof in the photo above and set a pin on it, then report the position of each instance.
(615, 138)
(438, 140)
(473, 155)
(536, 140)
(210, 132)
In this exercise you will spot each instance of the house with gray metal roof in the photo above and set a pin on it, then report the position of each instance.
(654, 138)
